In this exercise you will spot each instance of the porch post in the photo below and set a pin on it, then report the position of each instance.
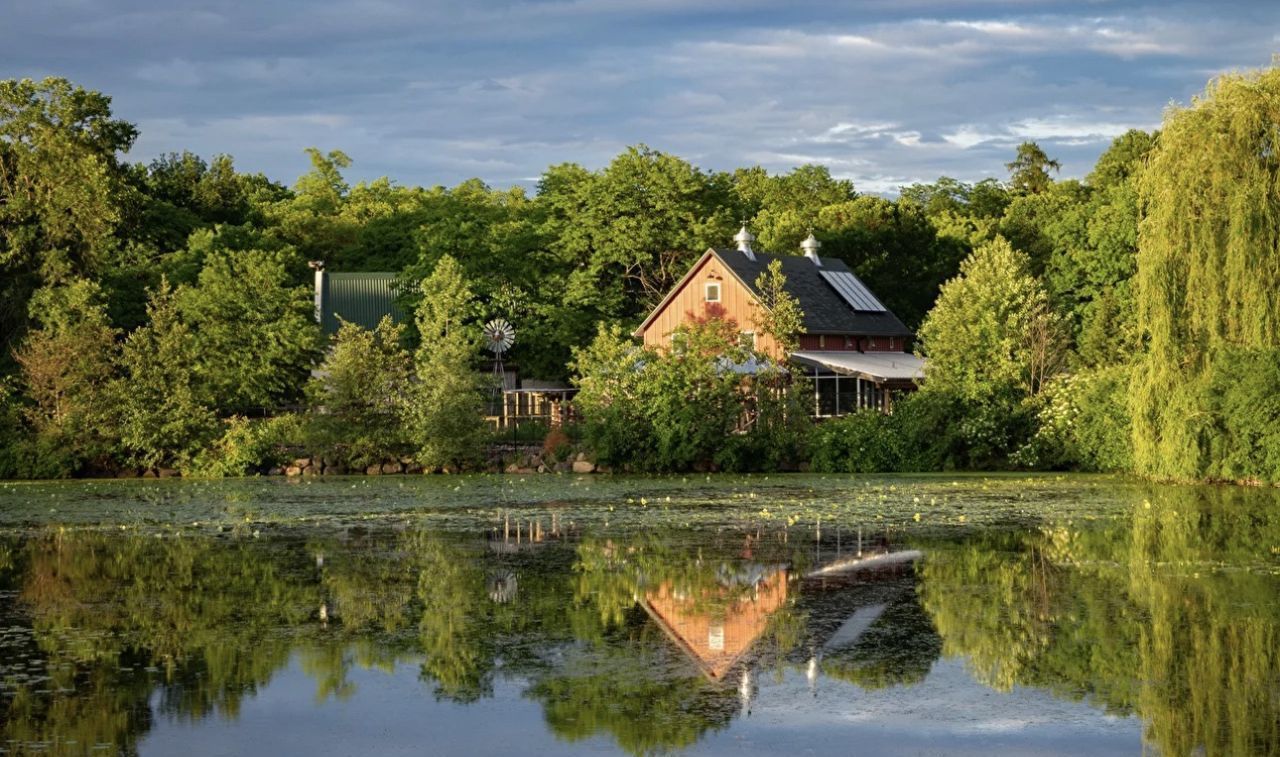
(816, 411)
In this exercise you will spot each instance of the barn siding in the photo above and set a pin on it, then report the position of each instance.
(361, 298)
(838, 343)
(735, 300)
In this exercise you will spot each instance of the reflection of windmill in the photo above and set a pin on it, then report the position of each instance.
(498, 338)
(502, 586)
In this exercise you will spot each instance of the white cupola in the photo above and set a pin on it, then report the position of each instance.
(810, 246)
(744, 239)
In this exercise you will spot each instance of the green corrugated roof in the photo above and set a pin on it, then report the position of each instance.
(361, 298)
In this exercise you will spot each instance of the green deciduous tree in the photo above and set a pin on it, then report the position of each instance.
(359, 394)
(778, 314)
(992, 331)
(60, 189)
(254, 329)
(610, 376)
(164, 417)
(445, 408)
(630, 231)
(992, 342)
(67, 364)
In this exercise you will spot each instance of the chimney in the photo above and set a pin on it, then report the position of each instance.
(744, 239)
(810, 247)
(318, 267)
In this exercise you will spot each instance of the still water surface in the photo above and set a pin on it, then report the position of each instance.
(708, 615)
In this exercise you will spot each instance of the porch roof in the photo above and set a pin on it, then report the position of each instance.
(874, 366)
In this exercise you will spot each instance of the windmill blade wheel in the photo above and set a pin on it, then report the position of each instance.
(499, 335)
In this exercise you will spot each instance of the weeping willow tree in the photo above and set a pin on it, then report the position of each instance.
(1208, 285)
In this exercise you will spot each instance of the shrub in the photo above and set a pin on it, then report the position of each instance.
(1083, 423)
(779, 433)
(667, 410)
(557, 445)
(12, 433)
(246, 447)
(928, 431)
(864, 442)
(611, 376)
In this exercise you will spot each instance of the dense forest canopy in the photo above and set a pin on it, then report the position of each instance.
(587, 246)
(188, 273)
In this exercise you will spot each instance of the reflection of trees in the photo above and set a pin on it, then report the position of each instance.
(1211, 654)
(632, 689)
(107, 707)
(455, 629)
(1159, 615)
(899, 648)
(1166, 615)
(993, 607)
(105, 608)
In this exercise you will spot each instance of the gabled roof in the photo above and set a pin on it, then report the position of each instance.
(825, 311)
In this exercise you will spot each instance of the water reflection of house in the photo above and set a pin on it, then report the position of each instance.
(716, 628)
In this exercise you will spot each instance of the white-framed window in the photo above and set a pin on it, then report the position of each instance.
(711, 291)
(747, 340)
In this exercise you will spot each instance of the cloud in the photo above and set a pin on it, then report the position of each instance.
(435, 91)
(969, 136)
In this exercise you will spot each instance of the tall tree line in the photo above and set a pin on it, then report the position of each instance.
(1127, 298)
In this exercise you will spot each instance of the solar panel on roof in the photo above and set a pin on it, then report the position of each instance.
(853, 291)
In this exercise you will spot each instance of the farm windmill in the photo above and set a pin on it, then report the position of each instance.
(499, 335)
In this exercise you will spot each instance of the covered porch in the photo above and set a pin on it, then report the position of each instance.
(845, 382)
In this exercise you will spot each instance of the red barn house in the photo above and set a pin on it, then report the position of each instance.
(853, 347)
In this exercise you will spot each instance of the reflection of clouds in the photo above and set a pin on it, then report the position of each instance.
(947, 712)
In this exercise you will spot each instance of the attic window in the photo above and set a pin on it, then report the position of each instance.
(711, 292)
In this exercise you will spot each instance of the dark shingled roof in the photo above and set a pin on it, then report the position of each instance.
(825, 311)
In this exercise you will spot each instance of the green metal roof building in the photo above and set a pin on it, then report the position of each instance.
(360, 298)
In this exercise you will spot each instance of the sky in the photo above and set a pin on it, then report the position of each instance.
(884, 92)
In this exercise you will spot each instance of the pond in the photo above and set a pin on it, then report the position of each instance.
(704, 614)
